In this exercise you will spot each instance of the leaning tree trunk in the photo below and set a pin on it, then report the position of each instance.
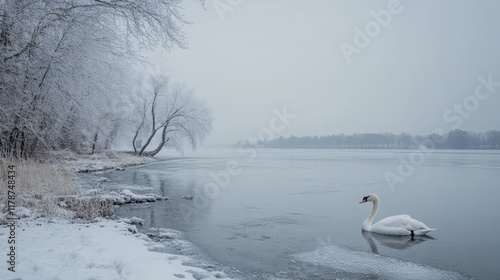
(163, 141)
(150, 138)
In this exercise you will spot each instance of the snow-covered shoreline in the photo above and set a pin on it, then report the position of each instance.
(102, 249)
(99, 161)
(105, 249)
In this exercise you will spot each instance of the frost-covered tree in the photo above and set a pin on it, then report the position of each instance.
(168, 115)
(62, 62)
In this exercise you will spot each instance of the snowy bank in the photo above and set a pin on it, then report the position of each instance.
(126, 196)
(102, 250)
(82, 163)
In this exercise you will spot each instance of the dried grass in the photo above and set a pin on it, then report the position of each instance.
(47, 189)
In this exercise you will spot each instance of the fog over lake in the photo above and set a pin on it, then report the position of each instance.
(341, 66)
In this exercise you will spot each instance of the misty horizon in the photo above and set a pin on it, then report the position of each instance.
(407, 67)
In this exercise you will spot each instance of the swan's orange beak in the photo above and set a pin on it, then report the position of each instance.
(362, 201)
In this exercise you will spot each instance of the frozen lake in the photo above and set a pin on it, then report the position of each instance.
(294, 214)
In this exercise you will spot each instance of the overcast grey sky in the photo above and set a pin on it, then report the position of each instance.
(262, 55)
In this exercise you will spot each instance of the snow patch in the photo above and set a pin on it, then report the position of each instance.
(127, 196)
(133, 221)
(138, 197)
(99, 161)
(22, 212)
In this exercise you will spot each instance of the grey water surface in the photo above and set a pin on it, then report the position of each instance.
(294, 213)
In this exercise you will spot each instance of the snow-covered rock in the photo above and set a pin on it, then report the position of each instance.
(132, 228)
(138, 198)
(127, 196)
(133, 221)
(22, 212)
(102, 179)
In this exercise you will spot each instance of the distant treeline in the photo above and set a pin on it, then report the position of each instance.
(455, 139)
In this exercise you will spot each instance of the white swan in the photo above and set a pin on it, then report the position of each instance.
(393, 225)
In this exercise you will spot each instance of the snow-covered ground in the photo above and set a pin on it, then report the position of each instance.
(103, 249)
(99, 161)
(100, 250)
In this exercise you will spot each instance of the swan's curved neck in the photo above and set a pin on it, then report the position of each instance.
(369, 220)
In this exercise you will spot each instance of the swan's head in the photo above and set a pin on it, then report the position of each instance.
(369, 197)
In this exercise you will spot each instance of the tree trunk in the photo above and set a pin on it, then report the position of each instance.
(164, 141)
(134, 139)
(95, 141)
(112, 136)
(153, 133)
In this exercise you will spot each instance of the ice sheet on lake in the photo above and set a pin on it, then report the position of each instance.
(357, 262)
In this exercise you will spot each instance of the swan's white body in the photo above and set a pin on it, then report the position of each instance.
(393, 225)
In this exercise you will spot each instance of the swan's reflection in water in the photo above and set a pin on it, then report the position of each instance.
(393, 241)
